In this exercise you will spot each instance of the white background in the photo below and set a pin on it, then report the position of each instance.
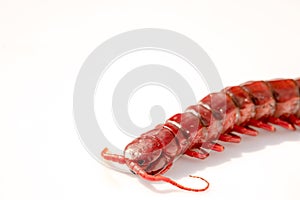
(42, 47)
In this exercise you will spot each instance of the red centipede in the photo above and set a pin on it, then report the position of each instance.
(258, 104)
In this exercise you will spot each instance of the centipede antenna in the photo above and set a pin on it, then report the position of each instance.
(112, 157)
(168, 180)
(140, 172)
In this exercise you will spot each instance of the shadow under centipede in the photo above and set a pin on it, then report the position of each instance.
(185, 166)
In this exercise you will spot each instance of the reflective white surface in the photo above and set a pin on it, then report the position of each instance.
(43, 45)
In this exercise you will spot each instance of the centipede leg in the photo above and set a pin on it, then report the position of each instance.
(166, 169)
(293, 119)
(245, 130)
(260, 124)
(229, 137)
(197, 153)
(209, 145)
(282, 123)
(213, 146)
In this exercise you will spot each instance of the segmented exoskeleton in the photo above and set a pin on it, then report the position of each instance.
(214, 118)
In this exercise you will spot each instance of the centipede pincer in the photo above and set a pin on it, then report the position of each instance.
(219, 117)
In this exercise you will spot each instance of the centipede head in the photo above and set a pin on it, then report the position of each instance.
(146, 152)
(145, 157)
